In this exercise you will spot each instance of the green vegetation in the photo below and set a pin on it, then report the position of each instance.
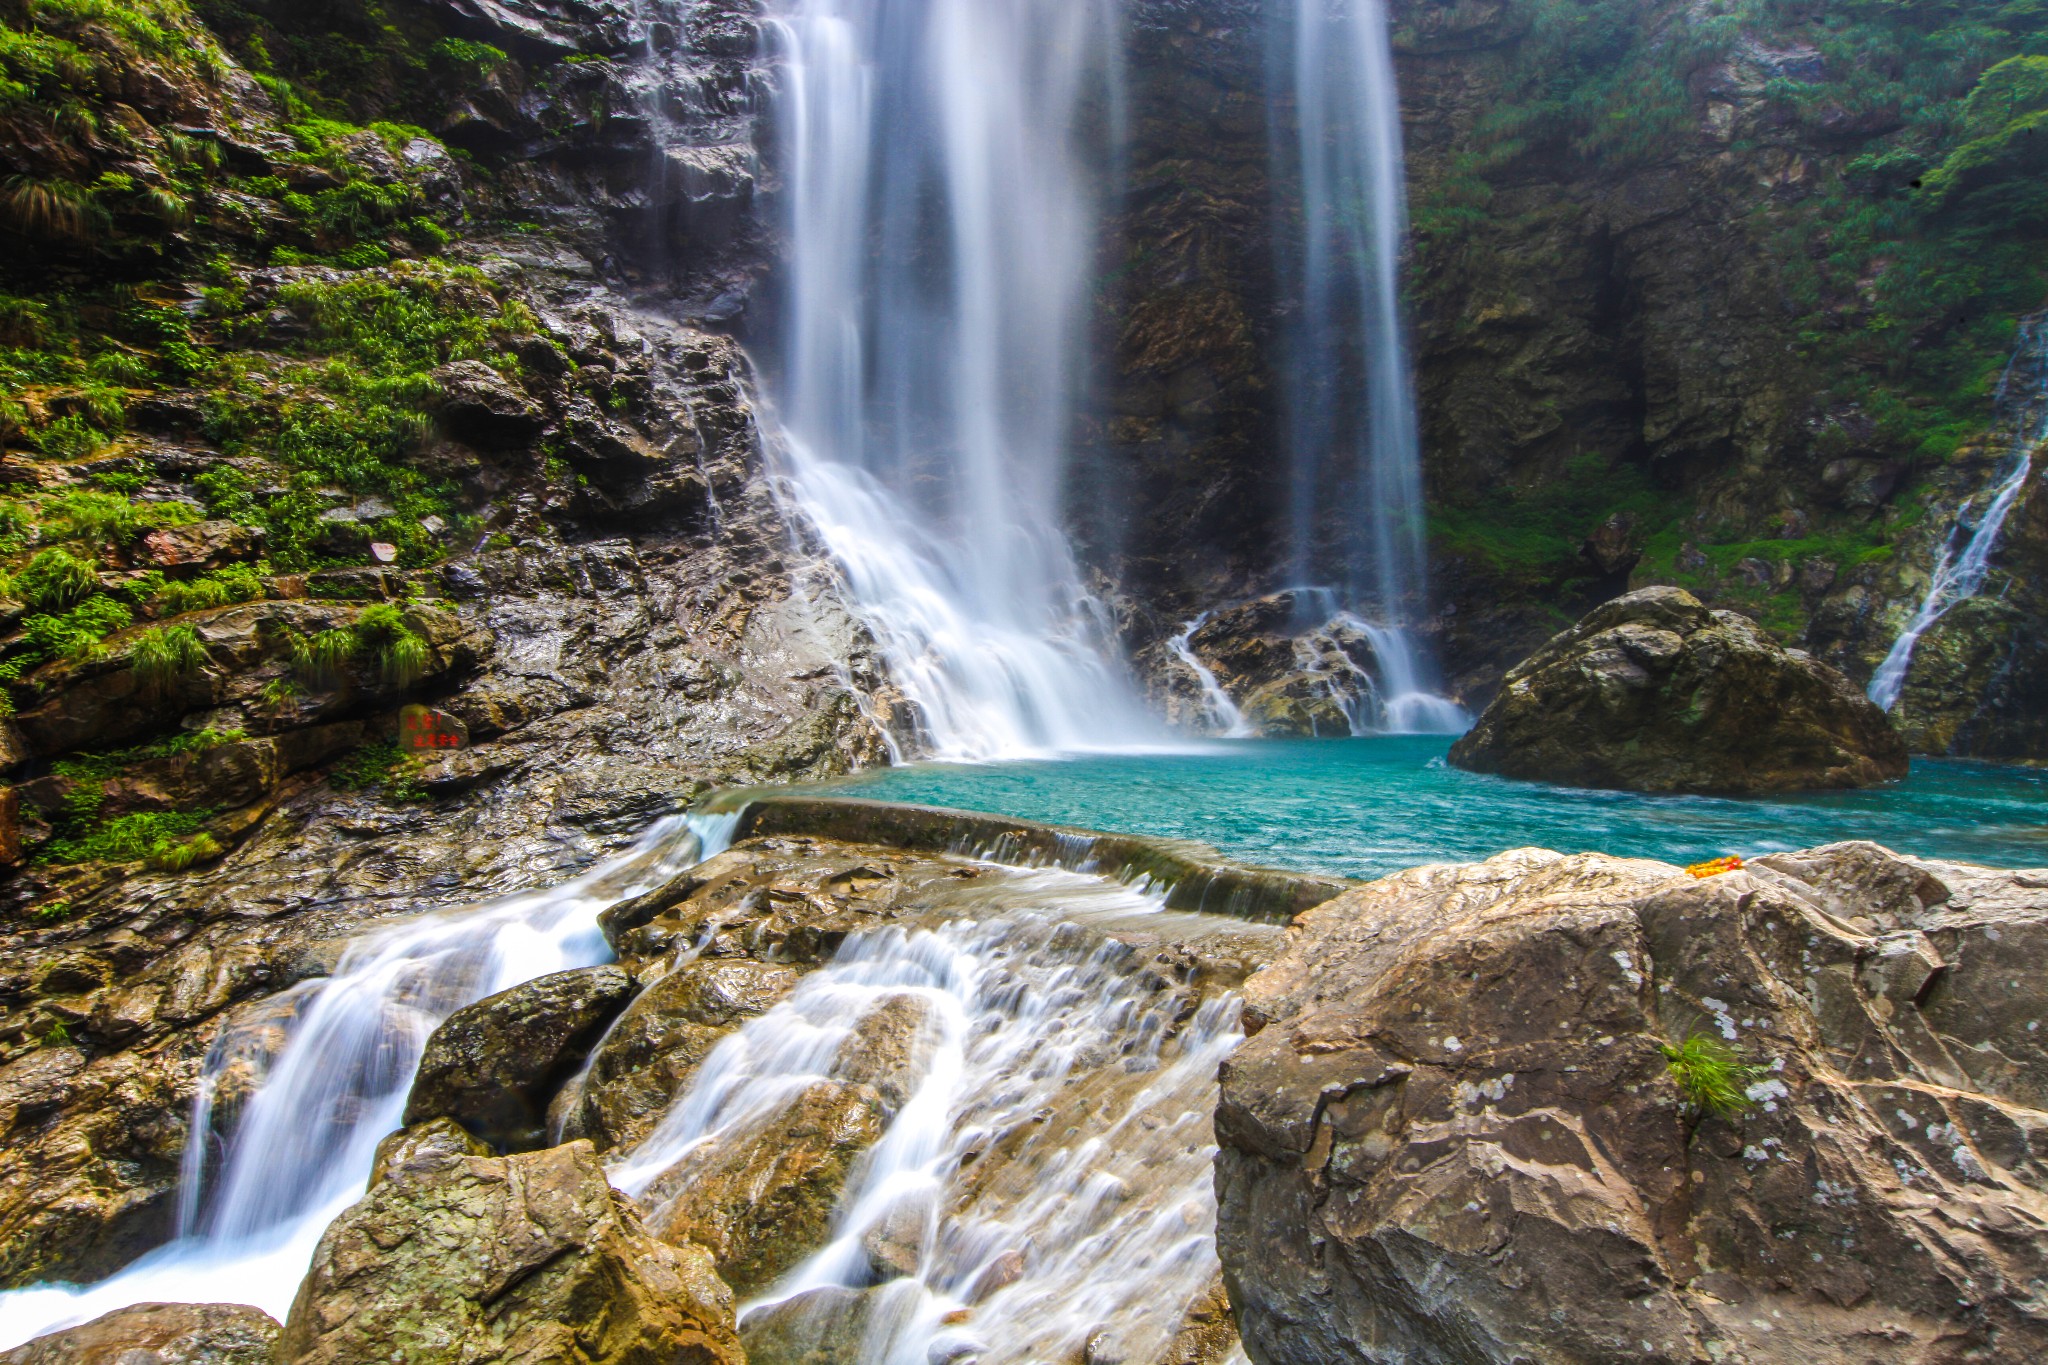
(125, 839)
(1713, 1075)
(1533, 535)
(165, 655)
(384, 768)
(51, 912)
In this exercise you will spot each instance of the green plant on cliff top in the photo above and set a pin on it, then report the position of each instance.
(1713, 1075)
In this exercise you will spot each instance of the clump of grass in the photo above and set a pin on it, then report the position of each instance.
(320, 659)
(51, 912)
(177, 857)
(1714, 1076)
(401, 652)
(164, 655)
(55, 579)
(125, 839)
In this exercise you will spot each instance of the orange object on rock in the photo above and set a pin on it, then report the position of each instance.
(1715, 867)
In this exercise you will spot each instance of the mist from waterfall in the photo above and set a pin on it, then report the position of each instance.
(939, 165)
(1355, 502)
(1965, 560)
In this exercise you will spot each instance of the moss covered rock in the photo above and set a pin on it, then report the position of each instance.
(1653, 692)
(456, 1257)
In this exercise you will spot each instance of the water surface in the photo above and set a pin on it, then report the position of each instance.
(1366, 807)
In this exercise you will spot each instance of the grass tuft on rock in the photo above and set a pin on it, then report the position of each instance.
(1713, 1075)
(165, 655)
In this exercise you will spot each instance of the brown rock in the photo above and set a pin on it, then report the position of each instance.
(493, 1066)
(763, 1199)
(665, 1034)
(1653, 692)
(158, 1334)
(1456, 1136)
(526, 1258)
(200, 546)
(478, 404)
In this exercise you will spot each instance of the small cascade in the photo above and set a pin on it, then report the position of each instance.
(1048, 1174)
(322, 1072)
(939, 190)
(1965, 559)
(1223, 712)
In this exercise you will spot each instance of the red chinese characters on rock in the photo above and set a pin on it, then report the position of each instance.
(422, 729)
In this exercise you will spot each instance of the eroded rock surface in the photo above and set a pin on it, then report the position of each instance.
(1456, 1137)
(159, 1334)
(492, 1066)
(531, 1257)
(1653, 692)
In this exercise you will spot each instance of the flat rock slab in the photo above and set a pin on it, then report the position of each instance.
(159, 1334)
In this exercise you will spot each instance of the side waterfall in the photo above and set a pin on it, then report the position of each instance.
(939, 202)
(1355, 468)
(2022, 407)
(325, 1068)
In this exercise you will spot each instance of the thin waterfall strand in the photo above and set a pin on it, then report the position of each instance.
(2022, 406)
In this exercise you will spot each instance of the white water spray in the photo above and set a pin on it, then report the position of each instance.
(940, 208)
(1050, 1171)
(327, 1067)
(2022, 407)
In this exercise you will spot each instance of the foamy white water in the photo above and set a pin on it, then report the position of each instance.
(1098, 1224)
(2022, 406)
(331, 1063)
(940, 205)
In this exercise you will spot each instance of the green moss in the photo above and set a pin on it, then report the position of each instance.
(54, 579)
(125, 839)
(1533, 535)
(384, 768)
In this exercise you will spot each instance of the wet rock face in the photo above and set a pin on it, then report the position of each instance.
(524, 1258)
(492, 1066)
(1292, 665)
(1455, 1135)
(1653, 692)
(159, 1334)
(652, 1053)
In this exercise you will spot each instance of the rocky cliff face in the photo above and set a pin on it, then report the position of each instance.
(342, 375)
(1714, 299)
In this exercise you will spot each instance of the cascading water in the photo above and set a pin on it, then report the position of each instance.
(2022, 408)
(1355, 473)
(326, 1068)
(937, 175)
(1049, 1172)
(1224, 713)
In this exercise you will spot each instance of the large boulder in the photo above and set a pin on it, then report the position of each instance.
(158, 1334)
(1455, 1134)
(534, 1257)
(1653, 692)
(494, 1065)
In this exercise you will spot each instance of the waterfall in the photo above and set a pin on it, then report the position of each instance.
(1355, 471)
(2022, 408)
(326, 1068)
(1052, 1162)
(937, 163)
(1224, 713)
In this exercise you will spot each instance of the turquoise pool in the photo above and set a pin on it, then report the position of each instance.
(1365, 807)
